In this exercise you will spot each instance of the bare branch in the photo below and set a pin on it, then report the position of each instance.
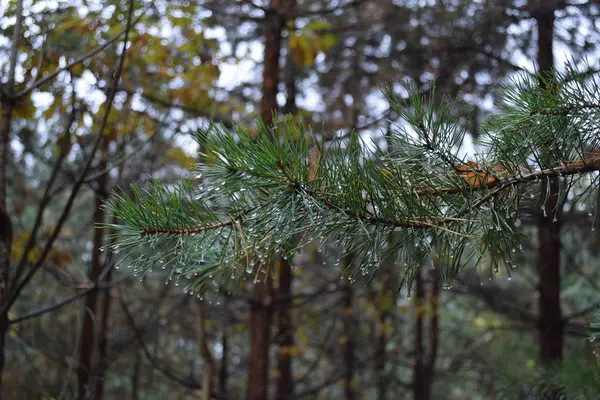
(79, 60)
(80, 181)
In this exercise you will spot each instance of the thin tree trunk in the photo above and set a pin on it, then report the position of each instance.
(285, 331)
(419, 375)
(209, 364)
(6, 230)
(260, 326)
(434, 330)
(381, 359)
(135, 376)
(90, 328)
(260, 310)
(349, 358)
(223, 375)
(100, 364)
(6, 236)
(550, 323)
(274, 27)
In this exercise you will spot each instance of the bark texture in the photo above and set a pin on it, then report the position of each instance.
(550, 323)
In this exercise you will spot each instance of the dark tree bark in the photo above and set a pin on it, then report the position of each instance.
(88, 352)
(550, 323)
(434, 329)
(260, 326)
(285, 333)
(349, 357)
(6, 230)
(382, 337)
(274, 21)
(6, 236)
(419, 373)
(205, 353)
(425, 356)
(135, 376)
(223, 375)
(100, 364)
(261, 309)
(285, 329)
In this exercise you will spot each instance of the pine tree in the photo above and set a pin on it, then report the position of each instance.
(272, 190)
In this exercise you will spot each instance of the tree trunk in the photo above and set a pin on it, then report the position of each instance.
(223, 375)
(419, 374)
(275, 21)
(260, 326)
(382, 337)
(6, 235)
(100, 364)
(135, 376)
(285, 333)
(434, 329)
(205, 353)
(260, 310)
(6, 228)
(90, 329)
(550, 324)
(349, 392)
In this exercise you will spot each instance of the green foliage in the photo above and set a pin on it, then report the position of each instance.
(268, 194)
(572, 378)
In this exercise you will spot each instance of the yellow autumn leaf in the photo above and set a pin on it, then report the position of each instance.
(180, 157)
(313, 39)
(77, 69)
(24, 108)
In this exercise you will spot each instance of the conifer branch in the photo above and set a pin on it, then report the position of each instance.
(261, 193)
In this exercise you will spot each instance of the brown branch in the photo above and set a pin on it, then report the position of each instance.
(205, 353)
(194, 229)
(496, 184)
(564, 170)
(55, 306)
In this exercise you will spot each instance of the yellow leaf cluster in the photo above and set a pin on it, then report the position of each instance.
(289, 351)
(309, 42)
(57, 257)
(24, 108)
(386, 329)
(179, 156)
(482, 322)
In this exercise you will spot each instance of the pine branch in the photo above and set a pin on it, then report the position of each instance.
(262, 193)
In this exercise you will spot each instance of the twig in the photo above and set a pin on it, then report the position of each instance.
(165, 371)
(194, 229)
(62, 303)
(46, 197)
(81, 59)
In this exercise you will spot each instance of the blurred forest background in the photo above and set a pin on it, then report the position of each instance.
(80, 118)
